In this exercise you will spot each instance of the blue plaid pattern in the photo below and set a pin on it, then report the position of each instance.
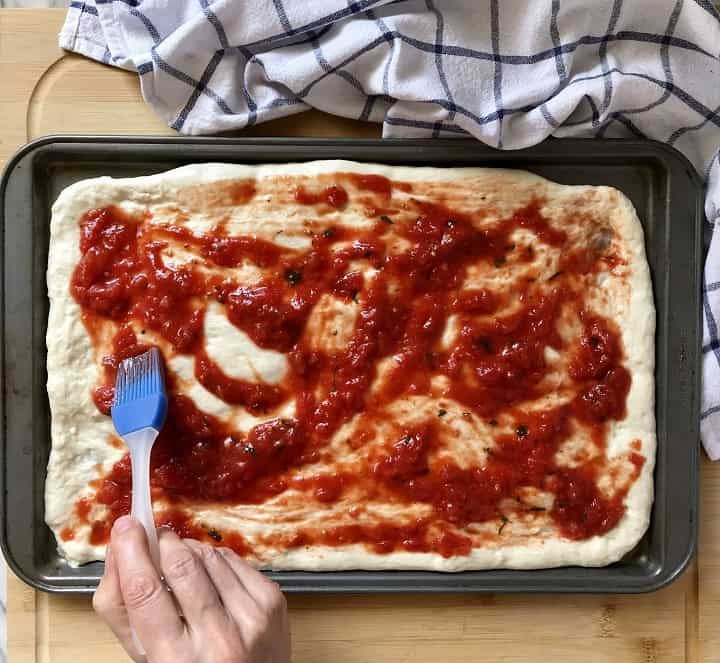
(509, 72)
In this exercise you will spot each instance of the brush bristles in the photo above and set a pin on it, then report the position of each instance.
(139, 377)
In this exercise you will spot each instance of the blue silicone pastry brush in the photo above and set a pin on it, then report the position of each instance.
(138, 413)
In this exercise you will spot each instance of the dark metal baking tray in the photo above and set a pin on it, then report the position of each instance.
(659, 181)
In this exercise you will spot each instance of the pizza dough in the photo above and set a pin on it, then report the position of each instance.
(373, 367)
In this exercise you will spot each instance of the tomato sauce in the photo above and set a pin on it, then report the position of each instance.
(496, 362)
(334, 196)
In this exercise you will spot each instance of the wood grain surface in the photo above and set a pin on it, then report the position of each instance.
(47, 91)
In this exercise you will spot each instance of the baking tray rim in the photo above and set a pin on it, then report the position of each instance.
(130, 139)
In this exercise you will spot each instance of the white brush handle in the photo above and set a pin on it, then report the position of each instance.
(140, 444)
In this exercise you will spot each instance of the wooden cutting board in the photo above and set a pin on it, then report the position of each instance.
(46, 91)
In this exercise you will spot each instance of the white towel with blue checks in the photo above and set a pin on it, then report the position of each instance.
(509, 72)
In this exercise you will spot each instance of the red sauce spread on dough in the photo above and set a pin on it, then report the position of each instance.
(334, 196)
(496, 362)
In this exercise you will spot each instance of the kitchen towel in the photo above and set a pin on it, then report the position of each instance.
(509, 72)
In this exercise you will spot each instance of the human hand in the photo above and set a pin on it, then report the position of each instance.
(231, 612)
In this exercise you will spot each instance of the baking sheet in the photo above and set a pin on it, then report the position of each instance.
(661, 184)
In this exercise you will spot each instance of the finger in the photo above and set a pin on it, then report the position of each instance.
(242, 607)
(265, 592)
(186, 576)
(151, 611)
(108, 604)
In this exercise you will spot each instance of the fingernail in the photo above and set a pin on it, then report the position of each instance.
(123, 524)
